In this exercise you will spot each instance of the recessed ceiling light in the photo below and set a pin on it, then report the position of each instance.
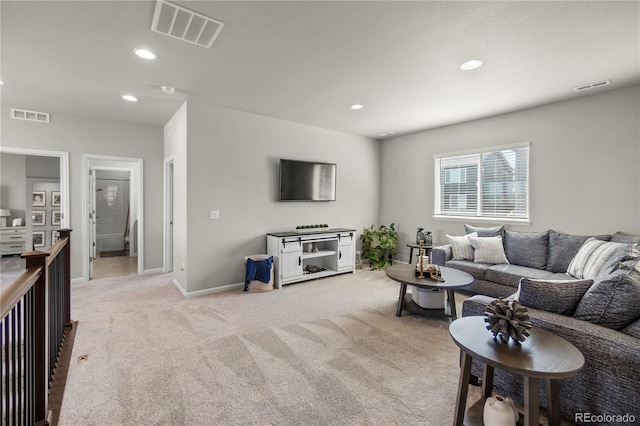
(130, 98)
(386, 134)
(168, 90)
(145, 54)
(1, 82)
(356, 106)
(471, 65)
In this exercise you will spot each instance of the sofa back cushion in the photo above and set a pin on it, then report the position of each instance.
(633, 329)
(495, 231)
(527, 248)
(621, 237)
(564, 247)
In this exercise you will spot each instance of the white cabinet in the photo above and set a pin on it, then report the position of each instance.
(346, 254)
(13, 240)
(300, 256)
(291, 260)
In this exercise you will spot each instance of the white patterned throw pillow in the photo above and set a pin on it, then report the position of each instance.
(596, 255)
(488, 250)
(461, 247)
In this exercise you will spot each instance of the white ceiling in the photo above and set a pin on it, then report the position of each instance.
(308, 61)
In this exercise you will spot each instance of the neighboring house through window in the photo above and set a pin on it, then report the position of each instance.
(492, 183)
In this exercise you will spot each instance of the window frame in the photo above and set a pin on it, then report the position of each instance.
(478, 218)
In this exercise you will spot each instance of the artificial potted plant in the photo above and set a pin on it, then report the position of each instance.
(379, 245)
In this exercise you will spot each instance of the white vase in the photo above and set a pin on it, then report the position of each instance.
(499, 411)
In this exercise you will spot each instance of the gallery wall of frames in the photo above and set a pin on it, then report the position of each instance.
(45, 214)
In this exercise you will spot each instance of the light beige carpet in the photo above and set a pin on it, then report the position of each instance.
(324, 352)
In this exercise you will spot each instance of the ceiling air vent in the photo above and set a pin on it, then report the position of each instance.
(183, 24)
(592, 85)
(23, 114)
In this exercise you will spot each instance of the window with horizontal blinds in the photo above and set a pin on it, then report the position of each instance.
(492, 183)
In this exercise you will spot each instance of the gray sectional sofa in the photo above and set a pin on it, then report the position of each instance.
(599, 313)
(543, 255)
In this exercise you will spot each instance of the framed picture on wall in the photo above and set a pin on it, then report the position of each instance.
(39, 198)
(39, 238)
(39, 218)
(55, 236)
(55, 217)
(55, 198)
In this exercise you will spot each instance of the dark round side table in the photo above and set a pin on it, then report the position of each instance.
(453, 278)
(427, 250)
(543, 355)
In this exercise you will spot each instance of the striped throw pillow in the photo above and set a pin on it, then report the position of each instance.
(595, 256)
(461, 247)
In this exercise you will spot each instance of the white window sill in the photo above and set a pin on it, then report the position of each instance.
(475, 219)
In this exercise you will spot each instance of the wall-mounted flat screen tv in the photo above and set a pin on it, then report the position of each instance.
(307, 181)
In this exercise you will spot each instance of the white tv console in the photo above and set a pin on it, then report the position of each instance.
(296, 252)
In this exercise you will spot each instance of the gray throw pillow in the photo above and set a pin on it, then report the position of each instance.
(613, 301)
(495, 231)
(557, 296)
(563, 248)
(527, 248)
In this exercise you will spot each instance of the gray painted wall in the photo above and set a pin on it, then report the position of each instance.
(584, 166)
(43, 167)
(86, 135)
(233, 167)
(175, 148)
(13, 185)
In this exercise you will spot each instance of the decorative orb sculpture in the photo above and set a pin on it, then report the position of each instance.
(507, 320)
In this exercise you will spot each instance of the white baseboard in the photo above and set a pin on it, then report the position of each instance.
(179, 287)
(153, 271)
(77, 280)
(189, 294)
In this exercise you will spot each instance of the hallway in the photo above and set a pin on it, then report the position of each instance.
(114, 266)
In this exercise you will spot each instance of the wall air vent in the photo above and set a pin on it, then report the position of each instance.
(183, 24)
(23, 114)
(592, 85)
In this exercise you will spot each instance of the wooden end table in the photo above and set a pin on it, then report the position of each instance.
(543, 355)
(453, 279)
(427, 250)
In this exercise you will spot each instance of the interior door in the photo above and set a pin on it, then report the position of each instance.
(170, 255)
(92, 221)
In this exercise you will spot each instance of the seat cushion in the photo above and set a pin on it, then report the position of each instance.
(563, 248)
(477, 270)
(511, 274)
(527, 248)
(558, 276)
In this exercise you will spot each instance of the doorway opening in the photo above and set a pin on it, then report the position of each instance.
(113, 215)
(22, 195)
